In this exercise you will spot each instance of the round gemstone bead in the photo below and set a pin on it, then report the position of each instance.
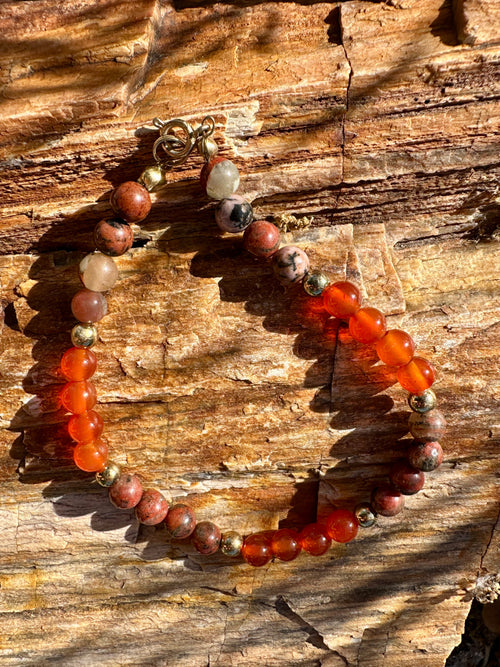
(98, 272)
(290, 264)
(285, 544)
(113, 237)
(427, 426)
(78, 364)
(367, 325)
(395, 348)
(91, 456)
(417, 375)
(315, 282)
(84, 335)
(78, 397)
(256, 549)
(126, 492)
(365, 515)
(131, 201)
(233, 214)
(406, 478)
(109, 474)
(152, 507)
(89, 306)
(262, 238)
(206, 537)
(219, 178)
(425, 456)
(342, 299)
(231, 544)
(341, 526)
(180, 521)
(422, 402)
(86, 427)
(314, 540)
(387, 501)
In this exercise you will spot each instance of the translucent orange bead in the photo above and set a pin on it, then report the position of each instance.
(417, 375)
(256, 549)
(86, 427)
(341, 526)
(78, 397)
(342, 299)
(367, 325)
(396, 348)
(78, 364)
(285, 544)
(91, 456)
(314, 540)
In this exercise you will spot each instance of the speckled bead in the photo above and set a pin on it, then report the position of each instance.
(231, 544)
(126, 492)
(233, 214)
(365, 515)
(387, 501)
(425, 456)
(290, 264)
(262, 238)
(180, 521)
(84, 335)
(98, 272)
(427, 426)
(113, 237)
(89, 306)
(152, 507)
(422, 402)
(131, 201)
(206, 537)
(219, 178)
(406, 478)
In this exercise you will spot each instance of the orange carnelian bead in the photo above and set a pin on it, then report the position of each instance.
(86, 427)
(91, 456)
(417, 376)
(396, 348)
(78, 364)
(314, 540)
(341, 526)
(256, 549)
(367, 325)
(285, 544)
(78, 397)
(342, 299)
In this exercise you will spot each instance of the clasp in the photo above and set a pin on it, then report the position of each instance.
(178, 139)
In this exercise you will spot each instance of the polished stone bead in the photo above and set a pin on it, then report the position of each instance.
(84, 335)
(342, 299)
(219, 178)
(86, 427)
(206, 537)
(425, 456)
(290, 264)
(314, 540)
(417, 375)
(315, 282)
(365, 515)
(126, 492)
(256, 549)
(285, 544)
(109, 474)
(152, 507)
(406, 478)
(262, 238)
(231, 543)
(395, 348)
(422, 402)
(341, 525)
(78, 364)
(89, 306)
(98, 272)
(78, 397)
(113, 237)
(427, 426)
(367, 325)
(91, 456)
(387, 501)
(152, 177)
(131, 201)
(180, 521)
(233, 214)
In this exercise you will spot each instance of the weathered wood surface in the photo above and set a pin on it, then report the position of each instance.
(382, 121)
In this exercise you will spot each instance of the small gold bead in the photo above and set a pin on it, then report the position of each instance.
(315, 282)
(84, 335)
(231, 543)
(422, 402)
(365, 515)
(207, 147)
(152, 177)
(109, 475)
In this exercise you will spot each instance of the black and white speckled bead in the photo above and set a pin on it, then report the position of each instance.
(233, 214)
(290, 264)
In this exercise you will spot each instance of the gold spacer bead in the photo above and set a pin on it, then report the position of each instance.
(422, 402)
(207, 147)
(109, 475)
(365, 515)
(231, 543)
(315, 282)
(84, 335)
(152, 177)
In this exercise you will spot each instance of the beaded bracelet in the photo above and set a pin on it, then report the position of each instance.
(98, 272)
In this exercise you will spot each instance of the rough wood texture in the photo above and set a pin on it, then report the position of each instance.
(380, 119)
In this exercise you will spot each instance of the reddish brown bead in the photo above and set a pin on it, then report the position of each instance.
(417, 375)
(425, 456)
(256, 549)
(367, 325)
(126, 492)
(91, 456)
(342, 299)
(406, 478)
(396, 348)
(78, 397)
(387, 501)
(152, 507)
(89, 306)
(206, 537)
(131, 201)
(262, 238)
(341, 526)
(285, 544)
(86, 427)
(78, 364)
(427, 426)
(314, 540)
(113, 237)
(180, 521)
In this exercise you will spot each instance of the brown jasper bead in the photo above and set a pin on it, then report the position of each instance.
(387, 501)
(152, 507)
(180, 521)
(406, 478)
(425, 456)
(89, 306)
(126, 492)
(206, 537)
(131, 201)
(262, 238)
(113, 237)
(427, 426)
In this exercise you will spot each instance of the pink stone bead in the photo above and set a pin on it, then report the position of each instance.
(290, 264)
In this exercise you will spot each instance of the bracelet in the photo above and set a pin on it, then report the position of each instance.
(131, 203)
